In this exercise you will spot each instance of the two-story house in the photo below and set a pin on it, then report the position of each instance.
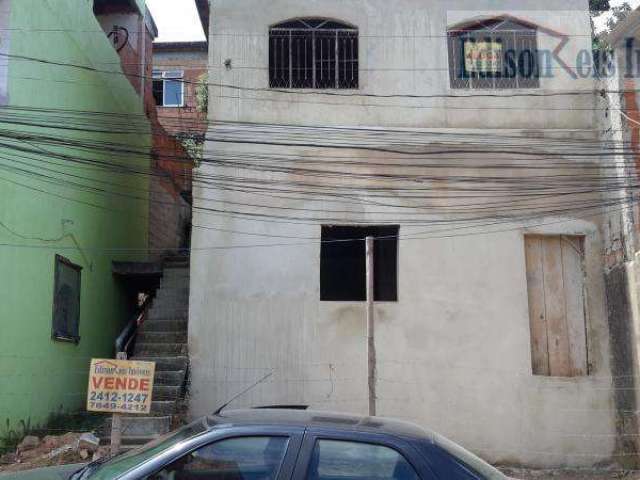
(464, 139)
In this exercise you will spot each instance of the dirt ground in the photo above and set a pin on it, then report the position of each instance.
(49, 451)
(571, 474)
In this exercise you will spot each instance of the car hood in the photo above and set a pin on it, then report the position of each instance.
(62, 472)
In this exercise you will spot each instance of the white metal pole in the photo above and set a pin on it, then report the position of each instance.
(116, 421)
(371, 343)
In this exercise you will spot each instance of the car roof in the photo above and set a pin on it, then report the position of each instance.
(318, 419)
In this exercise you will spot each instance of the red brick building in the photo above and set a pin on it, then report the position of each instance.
(132, 32)
(179, 70)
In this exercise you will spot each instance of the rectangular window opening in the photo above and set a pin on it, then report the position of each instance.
(168, 88)
(343, 263)
(66, 301)
(557, 311)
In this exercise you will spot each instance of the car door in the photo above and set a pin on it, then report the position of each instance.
(344, 455)
(246, 453)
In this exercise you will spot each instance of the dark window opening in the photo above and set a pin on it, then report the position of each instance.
(343, 263)
(158, 92)
(313, 53)
(495, 54)
(66, 301)
(168, 88)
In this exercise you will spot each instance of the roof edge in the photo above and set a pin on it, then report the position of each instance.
(628, 27)
(199, 45)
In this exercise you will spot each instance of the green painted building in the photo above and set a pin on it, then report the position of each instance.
(73, 195)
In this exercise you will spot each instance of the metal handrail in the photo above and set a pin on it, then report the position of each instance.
(128, 334)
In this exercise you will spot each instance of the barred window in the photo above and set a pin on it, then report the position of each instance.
(313, 53)
(494, 54)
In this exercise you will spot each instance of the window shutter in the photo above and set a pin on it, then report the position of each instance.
(66, 300)
(555, 279)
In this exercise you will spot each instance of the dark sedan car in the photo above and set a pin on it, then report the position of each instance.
(275, 444)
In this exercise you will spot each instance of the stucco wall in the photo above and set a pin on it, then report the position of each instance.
(403, 50)
(454, 352)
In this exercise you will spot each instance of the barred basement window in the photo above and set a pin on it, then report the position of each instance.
(313, 53)
(66, 301)
(494, 54)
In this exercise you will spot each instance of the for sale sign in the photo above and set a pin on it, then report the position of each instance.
(483, 57)
(120, 386)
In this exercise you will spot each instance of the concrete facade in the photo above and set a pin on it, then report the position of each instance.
(454, 352)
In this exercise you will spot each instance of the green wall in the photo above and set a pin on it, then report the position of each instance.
(40, 376)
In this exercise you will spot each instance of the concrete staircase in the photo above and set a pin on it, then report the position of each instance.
(163, 340)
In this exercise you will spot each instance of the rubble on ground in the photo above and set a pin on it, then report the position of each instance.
(35, 452)
(569, 474)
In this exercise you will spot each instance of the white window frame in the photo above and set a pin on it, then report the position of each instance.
(170, 75)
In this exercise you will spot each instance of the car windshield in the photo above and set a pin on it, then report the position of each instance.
(116, 466)
(469, 459)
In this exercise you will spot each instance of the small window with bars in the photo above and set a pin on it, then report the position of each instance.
(313, 53)
(66, 301)
(494, 54)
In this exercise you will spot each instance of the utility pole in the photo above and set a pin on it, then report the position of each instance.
(371, 340)
(116, 421)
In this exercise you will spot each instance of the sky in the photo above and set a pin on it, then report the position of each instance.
(177, 20)
(601, 21)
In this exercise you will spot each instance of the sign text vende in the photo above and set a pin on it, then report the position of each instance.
(120, 386)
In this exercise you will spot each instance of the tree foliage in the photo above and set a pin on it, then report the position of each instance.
(599, 6)
(618, 14)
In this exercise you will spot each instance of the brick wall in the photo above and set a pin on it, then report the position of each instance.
(183, 120)
(169, 213)
(169, 217)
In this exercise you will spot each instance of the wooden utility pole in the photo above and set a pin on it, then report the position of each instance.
(371, 340)
(116, 421)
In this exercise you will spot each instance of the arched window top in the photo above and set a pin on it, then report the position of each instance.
(502, 23)
(314, 23)
(319, 53)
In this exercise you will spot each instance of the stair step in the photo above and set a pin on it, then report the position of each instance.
(178, 293)
(145, 426)
(171, 378)
(129, 443)
(150, 349)
(163, 337)
(165, 325)
(168, 313)
(176, 273)
(168, 303)
(175, 284)
(163, 407)
(166, 392)
(165, 363)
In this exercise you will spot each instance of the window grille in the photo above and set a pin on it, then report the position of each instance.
(313, 53)
(495, 54)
